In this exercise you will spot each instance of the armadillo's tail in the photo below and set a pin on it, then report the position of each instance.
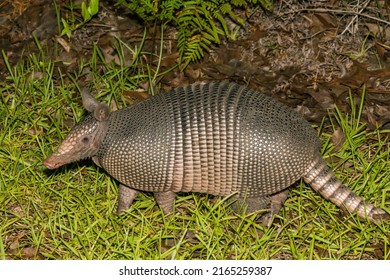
(322, 180)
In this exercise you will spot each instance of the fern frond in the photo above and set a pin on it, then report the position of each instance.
(194, 49)
(199, 23)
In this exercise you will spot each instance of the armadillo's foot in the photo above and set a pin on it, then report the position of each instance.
(277, 201)
(126, 197)
(165, 200)
(272, 203)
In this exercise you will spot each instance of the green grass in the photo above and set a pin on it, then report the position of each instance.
(69, 213)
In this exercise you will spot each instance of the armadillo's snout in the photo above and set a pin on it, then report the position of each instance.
(52, 162)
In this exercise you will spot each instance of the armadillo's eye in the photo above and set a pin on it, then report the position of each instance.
(85, 139)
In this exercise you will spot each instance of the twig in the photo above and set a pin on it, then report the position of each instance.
(355, 18)
(321, 10)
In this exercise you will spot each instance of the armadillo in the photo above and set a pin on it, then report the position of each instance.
(218, 138)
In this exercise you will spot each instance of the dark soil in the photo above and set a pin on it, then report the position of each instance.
(308, 54)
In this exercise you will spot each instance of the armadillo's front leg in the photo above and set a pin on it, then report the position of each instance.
(126, 197)
(165, 200)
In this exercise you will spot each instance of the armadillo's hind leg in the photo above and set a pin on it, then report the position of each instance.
(248, 205)
(126, 197)
(277, 200)
(273, 203)
(165, 200)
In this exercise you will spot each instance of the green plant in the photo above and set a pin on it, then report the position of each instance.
(199, 23)
(87, 12)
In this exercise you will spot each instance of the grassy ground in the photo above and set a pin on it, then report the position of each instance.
(69, 213)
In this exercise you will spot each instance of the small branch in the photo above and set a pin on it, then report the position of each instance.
(321, 10)
(355, 18)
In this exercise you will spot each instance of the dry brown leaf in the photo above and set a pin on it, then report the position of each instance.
(28, 253)
(323, 97)
(321, 21)
(64, 44)
(135, 95)
(338, 138)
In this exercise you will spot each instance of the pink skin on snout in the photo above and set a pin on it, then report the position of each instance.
(52, 162)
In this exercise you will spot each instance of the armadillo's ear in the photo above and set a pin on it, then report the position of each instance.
(102, 112)
(89, 102)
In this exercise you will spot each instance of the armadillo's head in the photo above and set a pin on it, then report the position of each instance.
(84, 140)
